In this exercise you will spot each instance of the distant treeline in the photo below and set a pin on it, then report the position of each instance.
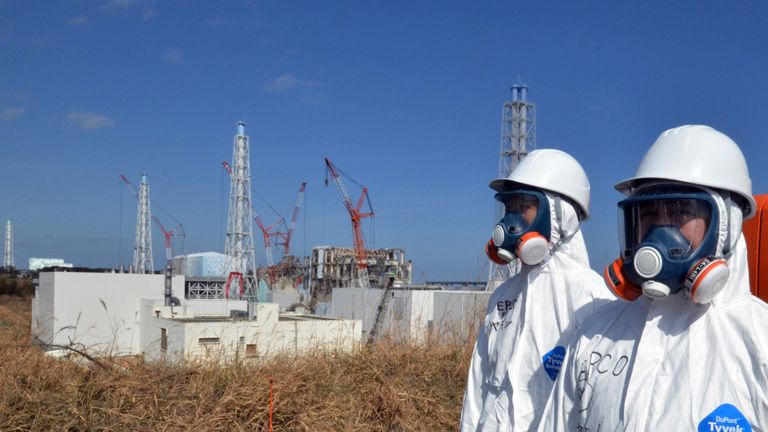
(15, 285)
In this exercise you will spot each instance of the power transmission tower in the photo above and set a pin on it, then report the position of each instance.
(238, 248)
(142, 249)
(518, 137)
(8, 262)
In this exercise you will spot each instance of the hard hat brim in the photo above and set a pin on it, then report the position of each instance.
(630, 185)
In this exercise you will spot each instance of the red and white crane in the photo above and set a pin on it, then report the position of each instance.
(356, 215)
(268, 234)
(287, 236)
(282, 237)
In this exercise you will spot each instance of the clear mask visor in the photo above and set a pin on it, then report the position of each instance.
(522, 205)
(642, 219)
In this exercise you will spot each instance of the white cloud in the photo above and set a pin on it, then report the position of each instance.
(12, 113)
(89, 120)
(286, 82)
(173, 56)
(78, 20)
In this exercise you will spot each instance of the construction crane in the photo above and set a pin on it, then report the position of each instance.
(356, 215)
(177, 231)
(274, 231)
(286, 238)
(268, 234)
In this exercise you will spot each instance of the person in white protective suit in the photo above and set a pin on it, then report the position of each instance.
(686, 350)
(521, 344)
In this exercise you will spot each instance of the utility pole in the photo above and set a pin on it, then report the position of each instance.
(518, 137)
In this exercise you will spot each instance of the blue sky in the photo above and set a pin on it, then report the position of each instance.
(405, 97)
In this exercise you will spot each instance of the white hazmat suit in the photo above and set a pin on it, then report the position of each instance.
(521, 344)
(670, 364)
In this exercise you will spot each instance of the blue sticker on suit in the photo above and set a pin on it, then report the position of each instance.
(553, 361)
(725, 418)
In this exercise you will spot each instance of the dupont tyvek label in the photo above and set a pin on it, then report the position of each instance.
(725, 418)
(553, 361)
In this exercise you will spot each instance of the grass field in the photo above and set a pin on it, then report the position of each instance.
(385, 387)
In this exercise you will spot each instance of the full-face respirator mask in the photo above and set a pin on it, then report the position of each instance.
(669, 238)
(524, 231)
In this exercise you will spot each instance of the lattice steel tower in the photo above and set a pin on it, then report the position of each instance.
(8, 262)
(239, 245)
(518, 137)
(142, 249)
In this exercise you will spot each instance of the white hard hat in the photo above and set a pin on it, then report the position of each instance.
(697, 155)
(552, 170)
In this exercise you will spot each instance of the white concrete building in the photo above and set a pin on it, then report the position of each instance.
(41, 263)
(406, 316)
(124, 314)
(99, 311)
(173, 336)
(413, 315)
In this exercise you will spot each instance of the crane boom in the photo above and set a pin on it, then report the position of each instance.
(268, 234)
(286, 243)
(266, 231)
(356, 217)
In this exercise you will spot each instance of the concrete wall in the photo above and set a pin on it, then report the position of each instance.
(215, 307)
(356, 303)
(406, 317)
(420, 309)
(458, 313)
(414, 315)
(98, 311)
(151, 331)
(228, 340)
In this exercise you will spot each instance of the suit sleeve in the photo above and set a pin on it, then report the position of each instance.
(475, 393)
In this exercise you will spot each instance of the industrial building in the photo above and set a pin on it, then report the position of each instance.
(199, 265)
(36, 264)
(335, 267)
(412, 313)
(211, 306)
(125, 314)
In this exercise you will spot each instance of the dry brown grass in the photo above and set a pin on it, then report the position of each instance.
(385, 387)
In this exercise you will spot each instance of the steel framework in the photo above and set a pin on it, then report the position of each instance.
(218, 288)
(518, 137)
(142, 249)
(239, 243)
(8, 261)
